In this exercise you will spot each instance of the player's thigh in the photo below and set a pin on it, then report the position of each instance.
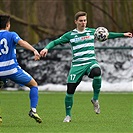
(75, 74)
(94, 64)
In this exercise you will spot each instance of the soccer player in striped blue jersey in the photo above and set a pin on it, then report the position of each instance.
(84, 60)
(9, 67)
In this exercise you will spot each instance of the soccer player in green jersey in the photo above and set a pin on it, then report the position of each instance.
(84, 60)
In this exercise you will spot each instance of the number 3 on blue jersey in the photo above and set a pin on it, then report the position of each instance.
(6, 48)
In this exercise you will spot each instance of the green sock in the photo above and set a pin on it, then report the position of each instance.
(68, 103)
(96, 87)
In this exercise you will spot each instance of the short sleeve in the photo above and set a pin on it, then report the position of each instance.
(16, 37)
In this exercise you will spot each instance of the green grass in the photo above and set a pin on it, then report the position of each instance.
(116, 113)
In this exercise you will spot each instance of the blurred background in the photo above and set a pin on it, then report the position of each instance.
(41, 21)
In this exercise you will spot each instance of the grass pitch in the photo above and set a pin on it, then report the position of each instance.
(116, 113)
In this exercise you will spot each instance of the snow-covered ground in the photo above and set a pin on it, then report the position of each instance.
(86, 86)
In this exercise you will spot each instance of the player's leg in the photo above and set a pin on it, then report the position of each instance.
(74, 78)
(71, 87)
(0, 119)
(0, 114)
(95, 73)
(33, 95)
(23, 78)
(2, 82)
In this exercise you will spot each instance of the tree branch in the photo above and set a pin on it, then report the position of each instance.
(35, 27)
(91, 3)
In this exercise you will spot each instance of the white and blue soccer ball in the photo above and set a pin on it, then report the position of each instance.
(101, 34)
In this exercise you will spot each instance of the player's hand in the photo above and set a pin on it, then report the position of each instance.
(44, 52)
(128, 34)
(37, 55)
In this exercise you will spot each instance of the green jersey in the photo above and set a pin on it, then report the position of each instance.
(82, 45)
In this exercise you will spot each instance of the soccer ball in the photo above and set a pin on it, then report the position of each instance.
(101, 34)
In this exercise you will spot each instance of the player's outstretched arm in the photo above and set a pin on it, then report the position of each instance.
(44, 52)
(113, 35)
(128, 34)
(26, 45)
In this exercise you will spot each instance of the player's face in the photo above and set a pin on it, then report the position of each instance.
(81, 23)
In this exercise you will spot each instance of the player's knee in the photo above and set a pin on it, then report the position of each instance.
(32, 83)
(95, 72)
